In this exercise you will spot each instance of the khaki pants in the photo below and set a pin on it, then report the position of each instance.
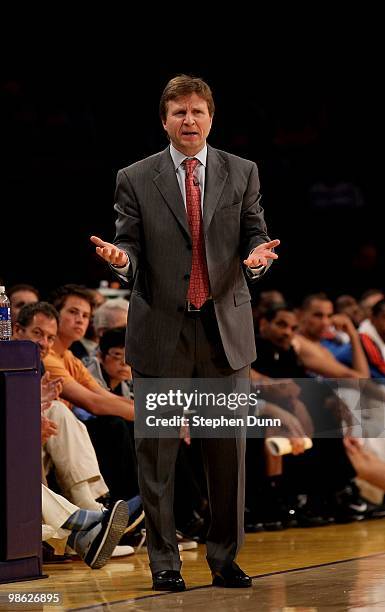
(71, 452)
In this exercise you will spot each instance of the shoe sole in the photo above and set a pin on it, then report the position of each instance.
(219, 582)
(111, 536)
(165, 588)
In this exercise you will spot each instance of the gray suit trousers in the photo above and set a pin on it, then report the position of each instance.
(199, 354)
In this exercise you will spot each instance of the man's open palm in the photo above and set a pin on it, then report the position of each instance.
(110, 252)
(261, 253)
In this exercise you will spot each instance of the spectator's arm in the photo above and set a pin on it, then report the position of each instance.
(98, 402)
(319, 360)
(359, 361)
(367, 465)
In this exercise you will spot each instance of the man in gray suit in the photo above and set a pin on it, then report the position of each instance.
(189, 227)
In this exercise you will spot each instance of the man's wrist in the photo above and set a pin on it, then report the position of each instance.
(119, 267)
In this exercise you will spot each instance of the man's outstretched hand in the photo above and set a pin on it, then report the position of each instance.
(110, 252)
(261, 254)
(117, 257)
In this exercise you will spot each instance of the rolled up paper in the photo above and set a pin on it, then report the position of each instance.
(282, 446)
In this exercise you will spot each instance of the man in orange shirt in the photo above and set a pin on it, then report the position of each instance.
(109, 432)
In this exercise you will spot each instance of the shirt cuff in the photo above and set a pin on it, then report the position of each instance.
(122, 271)
(255, 272)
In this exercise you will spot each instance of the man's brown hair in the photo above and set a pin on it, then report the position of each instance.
(184, 85)
(60, 295)
(29, 311)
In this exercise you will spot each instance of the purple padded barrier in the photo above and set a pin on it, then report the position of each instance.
(20, 462)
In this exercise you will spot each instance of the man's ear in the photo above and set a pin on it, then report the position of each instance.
(17, 329)
(262, 324)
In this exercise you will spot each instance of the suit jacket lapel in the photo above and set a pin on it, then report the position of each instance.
(215, 180)
(167, 183)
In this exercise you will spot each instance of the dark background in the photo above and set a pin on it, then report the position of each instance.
(303, 114)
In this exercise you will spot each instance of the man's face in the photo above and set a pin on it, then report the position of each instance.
(74, 318)
(316, 319)
(41, 330)
(188, 123)
(19, 299)
(280, 330)
(114, 364)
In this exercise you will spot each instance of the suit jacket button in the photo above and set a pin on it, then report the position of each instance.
(180, 308)
(186, 276)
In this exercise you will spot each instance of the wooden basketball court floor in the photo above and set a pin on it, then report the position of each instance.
(338, 567)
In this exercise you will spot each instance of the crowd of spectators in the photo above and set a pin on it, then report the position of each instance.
(320, 370)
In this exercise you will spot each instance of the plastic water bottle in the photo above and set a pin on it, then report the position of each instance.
(5, 316)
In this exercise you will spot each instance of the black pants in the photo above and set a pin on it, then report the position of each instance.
(113, 440)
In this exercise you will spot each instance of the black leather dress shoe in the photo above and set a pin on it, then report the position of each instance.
(231, 577)
(168, 580)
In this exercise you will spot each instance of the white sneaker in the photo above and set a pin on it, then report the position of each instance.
(123, 551)
(134, 521)
(185, 543)
(142, 544)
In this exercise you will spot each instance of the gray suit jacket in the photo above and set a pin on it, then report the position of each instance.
(152, 228)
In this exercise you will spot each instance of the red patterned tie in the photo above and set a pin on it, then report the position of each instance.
(199, 287)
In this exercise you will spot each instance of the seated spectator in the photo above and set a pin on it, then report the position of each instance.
(372, 335)
(111, 371)
(347, 304)
(109, 367)
(19, 295)
(104, 413)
